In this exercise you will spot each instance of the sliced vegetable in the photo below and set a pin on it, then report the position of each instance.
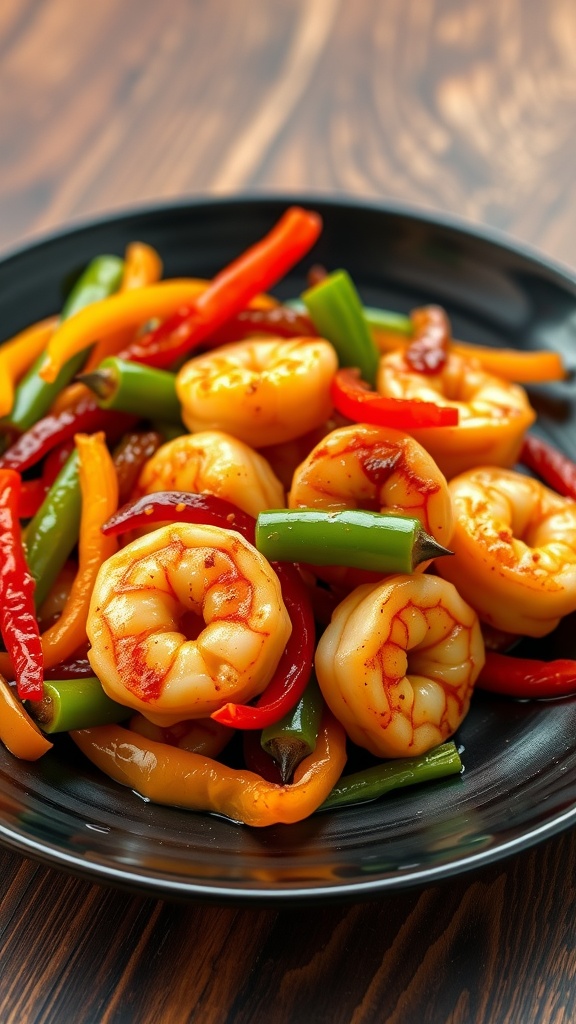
(375, 782)
(527, 678)
(354, 399)
(554, 468)
(18, 623)
(17, 355)
(53, 532)
(75, 704)
(383, 542)
(294, 737)
(129, 387)
(180, 778)
(337, 313)
(33, 395)
(19, 734)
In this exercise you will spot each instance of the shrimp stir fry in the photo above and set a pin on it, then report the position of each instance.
(378, 479)
(398, 663)
(515, 547)
(262, 391)
(494, 414)
(183, 620)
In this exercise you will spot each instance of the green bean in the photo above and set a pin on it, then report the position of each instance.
(294, 737)
(75, 704)
(53, 532)
(375, 782)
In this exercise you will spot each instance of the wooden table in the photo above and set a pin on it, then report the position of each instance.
(466, 106)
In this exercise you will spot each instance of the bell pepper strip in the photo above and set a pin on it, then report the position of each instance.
(373, 783)
(129, 456)
(18, 623)
(180, 778)
(294, 737)
(17, 355)
(125, 386)
(428, 349)
(18, 732)
(53, 532)
(75, 704)
(99, 500)
(550, 464)
(337, 313)
(279, 321)
(393, 331)
(32, 494)
(295, 666)
(76, 667)
(527, 678)
(200, 735)
(33, 396)
(383, 542)
(52, 430)
(231, 290)
(352, 397)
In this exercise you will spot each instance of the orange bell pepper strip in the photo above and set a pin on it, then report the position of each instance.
(18, 354)
(167, 775)
(516, 365)
(19, 734)
(142, 266)
(99, 489)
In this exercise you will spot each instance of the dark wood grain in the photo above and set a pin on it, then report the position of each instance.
(465, 106)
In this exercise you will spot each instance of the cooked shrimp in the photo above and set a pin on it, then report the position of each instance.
(212, 462)
(185, 619)
(515, 550)
(263, 391)
(494, 414)
(378, 469)
(398, 663)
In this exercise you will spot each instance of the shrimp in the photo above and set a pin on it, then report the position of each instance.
(398, 663)
(515, 550)
(185, 619)
(378, 469)
(493, 413)
(263, 391)
(212, 462)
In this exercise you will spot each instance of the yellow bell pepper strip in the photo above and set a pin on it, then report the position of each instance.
(18, 354)
(99, 492)
(34, 396)
(179, 778)
(516, 365)
(19, 734)
(123, 309)
(142, 266)
(18, 623)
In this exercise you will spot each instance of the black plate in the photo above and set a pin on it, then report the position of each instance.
(519, 784)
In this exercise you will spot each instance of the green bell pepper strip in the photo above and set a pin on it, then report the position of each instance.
(34, 396)
(129, 387)
(75, 704)
(294, 737)
(53, 532)
(352, 537)
(377, 319)
(337, 313)
(375, 782)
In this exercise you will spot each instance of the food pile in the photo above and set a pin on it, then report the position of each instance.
(245, 542)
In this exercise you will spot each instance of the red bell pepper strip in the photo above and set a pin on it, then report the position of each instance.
(428, 350)
(353, 398)
(52, 430)
(295, 665)
(32, 494)
(555, 469)
(279, 321)
(256, 270)
(527, 678)
(18, 623)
